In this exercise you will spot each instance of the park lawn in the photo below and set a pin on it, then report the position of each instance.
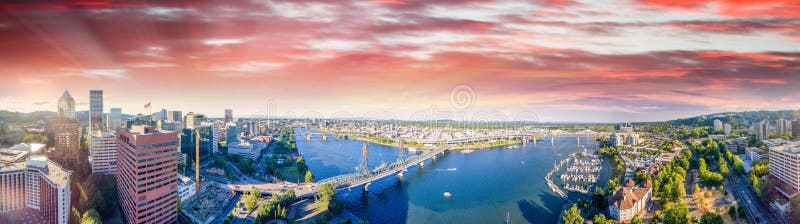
(291, 174)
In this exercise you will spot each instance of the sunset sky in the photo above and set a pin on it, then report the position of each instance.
(556, 60)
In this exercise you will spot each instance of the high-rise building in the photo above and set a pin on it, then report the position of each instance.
(209, 141)
(103, 153)
(95, 111)
(147, 175)
(717, 125)
(174, 116)
(796, 130)
(66, 106)
(761, 130)
(228, 115)
(726, 128)
(38, 187)
(162, 115)
(165, 125)
(114, 119)
(232, 133)
(784, 163)
(67, 141)
(191, 120)
(781, 127)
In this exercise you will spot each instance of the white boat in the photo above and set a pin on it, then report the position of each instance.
(412, 149)
(447, 194)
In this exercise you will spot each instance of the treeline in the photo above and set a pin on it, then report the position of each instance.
(326, 200)
(737, 118)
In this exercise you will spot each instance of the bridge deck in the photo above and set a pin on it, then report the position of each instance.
(357, 179)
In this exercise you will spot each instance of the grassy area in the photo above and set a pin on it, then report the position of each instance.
(290, 174)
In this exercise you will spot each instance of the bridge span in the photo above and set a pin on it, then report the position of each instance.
(366, 176)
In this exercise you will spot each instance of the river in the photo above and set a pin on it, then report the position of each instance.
(486, 185)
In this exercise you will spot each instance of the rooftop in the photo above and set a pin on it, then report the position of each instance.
(30, 147)
(790, 147)
(52, 170)
(12, 156)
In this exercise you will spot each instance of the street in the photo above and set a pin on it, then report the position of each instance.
(756, 211)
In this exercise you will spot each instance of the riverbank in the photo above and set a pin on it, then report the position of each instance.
(470, 146)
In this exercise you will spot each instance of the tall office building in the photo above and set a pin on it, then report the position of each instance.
(114, 120)
(796, 130)
(103, 153)
(66, 106)
(209, 141)
(192, 120)
(162, 115)
(147, 175)
(174, 116)
(67, 141)
(96, 111)
(232, 133)
(717, 125)
(784, 162)
(36, 190)
(228, 115)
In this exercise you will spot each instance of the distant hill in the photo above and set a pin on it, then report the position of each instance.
(737, 118)
(15, 117)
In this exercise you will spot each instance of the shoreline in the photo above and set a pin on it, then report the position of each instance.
(458, 147)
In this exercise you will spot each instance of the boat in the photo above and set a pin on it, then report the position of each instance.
(412, 149)
(447, 194)
(508, 217)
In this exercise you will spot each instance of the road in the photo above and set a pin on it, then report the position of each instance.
(755, 209)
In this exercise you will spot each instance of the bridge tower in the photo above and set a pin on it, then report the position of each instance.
(362, 167)
(401, 153)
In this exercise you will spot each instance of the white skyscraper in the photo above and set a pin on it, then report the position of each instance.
(727, 129)
(717, 125)
(103, 153)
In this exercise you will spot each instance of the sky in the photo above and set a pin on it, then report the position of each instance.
(542, 60)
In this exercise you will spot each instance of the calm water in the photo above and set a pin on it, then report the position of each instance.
(486, 185)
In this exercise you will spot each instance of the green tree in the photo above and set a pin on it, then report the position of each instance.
(75, 216)
(636, 220)
(676, 215)
(309, 176)
(219, 162)
(601, 219)
(711, 218)
(326, 192)
(678, 192)
(572, 216)
(91, 217)
(251, 199)
(612, 185)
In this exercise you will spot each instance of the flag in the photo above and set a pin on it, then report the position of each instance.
(147, 106)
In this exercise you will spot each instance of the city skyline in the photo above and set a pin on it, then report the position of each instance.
(560, 60)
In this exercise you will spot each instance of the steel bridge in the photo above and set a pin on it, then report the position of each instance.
(364, 176)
